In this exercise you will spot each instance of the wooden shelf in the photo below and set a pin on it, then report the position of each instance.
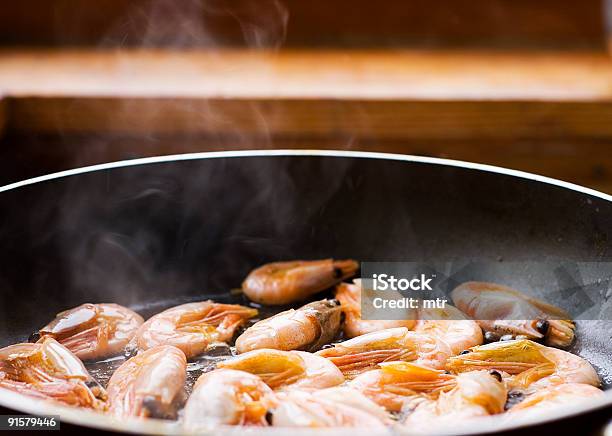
(374, 94)
(549, 113)
(368, 75)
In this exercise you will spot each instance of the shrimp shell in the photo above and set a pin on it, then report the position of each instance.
(94, 331)
(307, 328)
(366, 352)
(396, 383)
(281, 283)
(349, 296)
(476, 394)
(534, 365)
(297, 369)
(149, 385)
(332, 407)
(502, 310)
(48, 370)
(552, 397)
(193, 327)
(228, 397)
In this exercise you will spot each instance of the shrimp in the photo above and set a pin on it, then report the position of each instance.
(287, 282)
(551, 397)
(396, 383)
(149, 385)
(297, 369)
(332, 407)
(366, 352)
(349, 296)
(503, 311)
(48, 370)
(94, 331)
(476, 393)
(534, 365)
(307, 328)
(451, 326)
(193, 327)
(228, 397)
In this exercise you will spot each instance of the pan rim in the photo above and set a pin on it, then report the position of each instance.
(14, 401)
(91, 419)
(309, 153)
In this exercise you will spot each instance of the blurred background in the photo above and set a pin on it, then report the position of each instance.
(519, 83)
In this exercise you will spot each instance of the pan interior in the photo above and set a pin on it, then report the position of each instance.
(151, 236)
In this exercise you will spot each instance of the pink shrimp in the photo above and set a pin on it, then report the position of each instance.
(149, 384)
(94, 331)
(296, 369)
(48, 370)
(503, 311)
(349, 296)
(288, 282)
(193, 327)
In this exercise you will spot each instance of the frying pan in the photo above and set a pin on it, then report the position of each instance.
(150, 233)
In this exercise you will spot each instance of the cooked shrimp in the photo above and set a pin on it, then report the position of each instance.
(477, 393)
(297, 369)
(551, 397)
(193, 327)
(451, 326)
(287, 282)
(332, 407)
(228, 397)
(503, 311)
(366, 352)
(48, 370)
(349, 296)
(94, 331)
(396, 383)
(535, 365)
(149, 385)
(307, 328)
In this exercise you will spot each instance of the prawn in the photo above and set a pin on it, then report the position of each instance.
(533, 365)
(551, 397)
(349, 296)
(332, 407)
(396, 383)
(94, 331)
(476, 394)
(228, 397)
(503, 311)
(366, 352)
(149, 385)
(451, 326)
(297, 369)
(307, 328)
(193, 327)
(48, 370)
(287, 282)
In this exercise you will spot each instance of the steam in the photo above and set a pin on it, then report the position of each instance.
(141, 235)
(193, 24)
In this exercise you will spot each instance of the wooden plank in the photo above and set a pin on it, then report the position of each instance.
(362, 94)
(299, 23)
(362, 119)
(361, 74)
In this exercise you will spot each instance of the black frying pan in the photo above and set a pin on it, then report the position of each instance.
(150, 233)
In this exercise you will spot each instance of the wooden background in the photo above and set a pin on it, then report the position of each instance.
(520, 84)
